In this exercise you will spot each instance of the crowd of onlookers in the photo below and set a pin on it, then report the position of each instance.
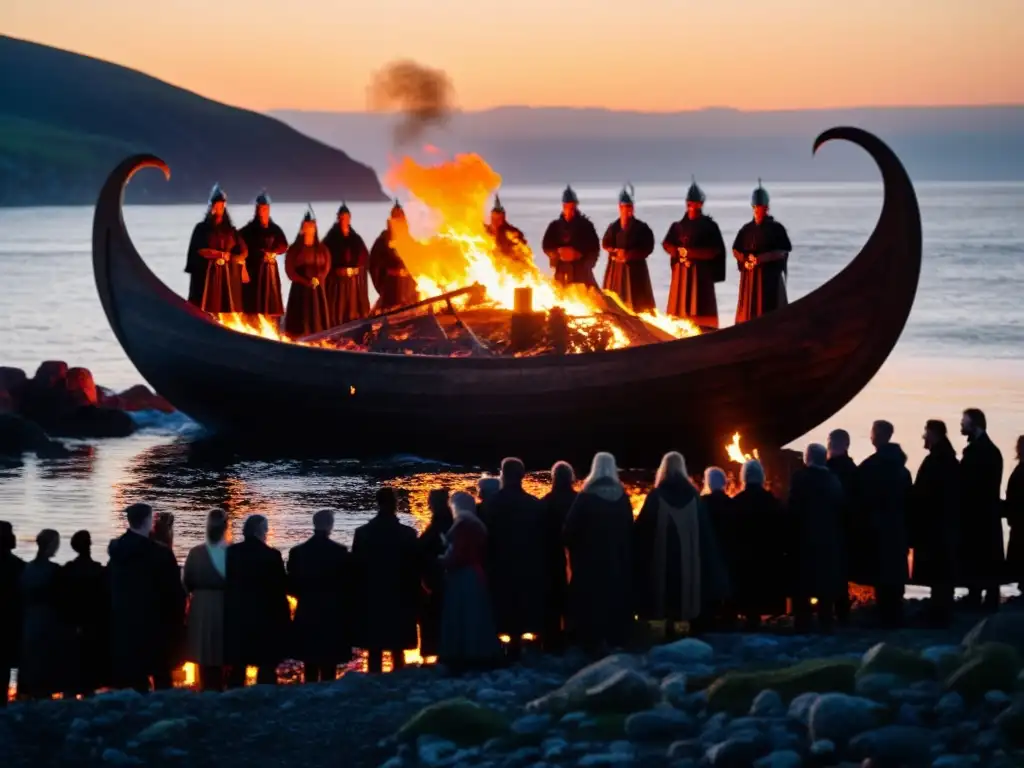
(575, 567)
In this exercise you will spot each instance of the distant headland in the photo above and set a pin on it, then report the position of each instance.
(66, 120)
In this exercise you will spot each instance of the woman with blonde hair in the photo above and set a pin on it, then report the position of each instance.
(678, 569)
(204, 577)
(597, 535)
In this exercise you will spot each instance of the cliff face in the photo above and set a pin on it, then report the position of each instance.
(66, 120)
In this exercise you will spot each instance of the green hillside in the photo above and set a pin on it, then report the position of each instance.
(66, 120)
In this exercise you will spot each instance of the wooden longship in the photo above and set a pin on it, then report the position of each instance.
(772, 379)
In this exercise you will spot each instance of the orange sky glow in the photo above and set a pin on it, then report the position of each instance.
(653, 55)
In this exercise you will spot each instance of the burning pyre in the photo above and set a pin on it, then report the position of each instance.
(461, 253)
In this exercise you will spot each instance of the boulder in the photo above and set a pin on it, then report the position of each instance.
(12, 388)
(734, 692)
(81, 387)
(839, 717)
(673, 690)
(738, 751)
(1006, 627)
(457, 720)
(689, 650)
(894, 744)
(767, 704)
(570, 696)
(885, 658)
(625, 691)
(878, 685)
(989, 667)
(137, 398)
(659, 724)
(18, 435)
(90, 421)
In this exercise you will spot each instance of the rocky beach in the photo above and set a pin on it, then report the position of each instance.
(913, 697)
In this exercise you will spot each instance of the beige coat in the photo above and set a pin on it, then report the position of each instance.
(205, 586)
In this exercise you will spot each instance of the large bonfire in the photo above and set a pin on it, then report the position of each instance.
(459, 252)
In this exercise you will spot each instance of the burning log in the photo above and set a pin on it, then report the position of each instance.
(526, 327)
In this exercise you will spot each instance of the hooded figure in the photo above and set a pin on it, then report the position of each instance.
(571, 244)
(265, 241)
(697, 255)
(347, 288)
(307, 264)
(762, 251)
(509, 241)
(629, 242)
(394, 285)
(216, 260)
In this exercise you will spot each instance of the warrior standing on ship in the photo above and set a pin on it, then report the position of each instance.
(347, 288)
(629, 242)
(509, 241)
(216, 248)
(697, 253)
(265, 241)
(307, 264)
(391, 279)
(572, 244)
(762, 251)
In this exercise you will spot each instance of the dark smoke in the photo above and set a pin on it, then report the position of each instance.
(423, 96)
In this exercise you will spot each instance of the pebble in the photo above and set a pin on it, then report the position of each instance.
(894, 743)
(823, 748)
(800, 707)
(738, 751)
(554, 749)
(433, 751)
(780, 759)
(117, 757)
(879, 685)
(607, 758)
(531, 724)
(956, 761)
(673, 688)
(685, 651)
(688, 748)
(997, 700)
(655, 724)
(839, 717)
(950, 708)
(767, 703)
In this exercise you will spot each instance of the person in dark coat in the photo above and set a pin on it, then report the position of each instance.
(468, 637)
(87, 609)
(509, 241)
(720, 510)
(321, 579)
(147, 605)
(859, 554)
(981, 526)
(678, 570)
(347, 286)
(45, 637)
(629, 242)
(933, 519)
(387, 564)
(571, 244)
(205, 580)
(432, 546)
(815, 508)
(1013, 511)
(697, 255)
(762, 251)
(391, 279)
(515, 535)
(216, 260)
(487, 488)
(264, 242)
(557, 503)
(599, 538)
(11, 568)
(257, 617)
(307, 264)
(883, 491)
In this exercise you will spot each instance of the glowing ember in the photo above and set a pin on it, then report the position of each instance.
(736, 453)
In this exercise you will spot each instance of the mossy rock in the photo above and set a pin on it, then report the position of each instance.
(734, 692)
(459, 720)
(884, 658)
(988, 667)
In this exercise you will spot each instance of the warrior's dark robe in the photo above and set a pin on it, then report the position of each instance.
(347, 290)
(307, 306)
(627, 273)
(692, 291)
(394, 285)
(578, 234)
(213, 286)
(763, 287)
(509, 241)
(262, 294)
(981, 526)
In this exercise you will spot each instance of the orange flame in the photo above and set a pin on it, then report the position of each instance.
(735, 452)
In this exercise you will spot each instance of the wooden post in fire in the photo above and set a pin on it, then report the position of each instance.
(558, 330)
(526, 326)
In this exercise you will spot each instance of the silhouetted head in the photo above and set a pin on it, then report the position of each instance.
(48, 542)
(218, 202)
(216, 525)
(715, 479)
(387, 500)
(562, 476)
(462, 505)
(487, 486)
(838, 442)
(973, 423)
(323, 521)
(570, 203)
(437, 503)
(140, 518)
(752, 473)
(603, 467)
(626, 203)
(163, 529)
(673, 466)
(497, 213)
(759, 202)
(815, 455)
(8, 541)
(81, 543)
(512, 472)
(934, 433)
(344, 218)
(256, 527)
(263, 208)
(307, 230)
(881, 433)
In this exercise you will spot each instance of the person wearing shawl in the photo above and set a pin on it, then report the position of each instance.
(307, 264)
(509, 241)
(572, 245)
(597, 536)
(468, 639)
(347, 289)
(216, 260)
(394, 285)
(762, 251)
(697, 255)
(629, 242)
(678, 570)
(204, 579)
(265, 241)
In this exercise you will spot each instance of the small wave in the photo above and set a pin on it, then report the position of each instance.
(159, 423)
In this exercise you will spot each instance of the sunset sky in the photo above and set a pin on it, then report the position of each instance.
(657, 55)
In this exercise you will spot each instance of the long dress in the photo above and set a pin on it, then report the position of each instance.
(205, 624)
(347, 290)
(391, 279)
(308, 311)
(626, 274)
(262, 294)
(691, 293)
(580, 235)
(45, 636)
(762, 288)
(468, 634)
(981, 528)
(87, 594)
(215, 282)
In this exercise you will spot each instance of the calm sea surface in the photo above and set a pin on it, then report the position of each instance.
(962, 347)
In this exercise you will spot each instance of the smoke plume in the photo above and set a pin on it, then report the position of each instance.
(423, 96)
